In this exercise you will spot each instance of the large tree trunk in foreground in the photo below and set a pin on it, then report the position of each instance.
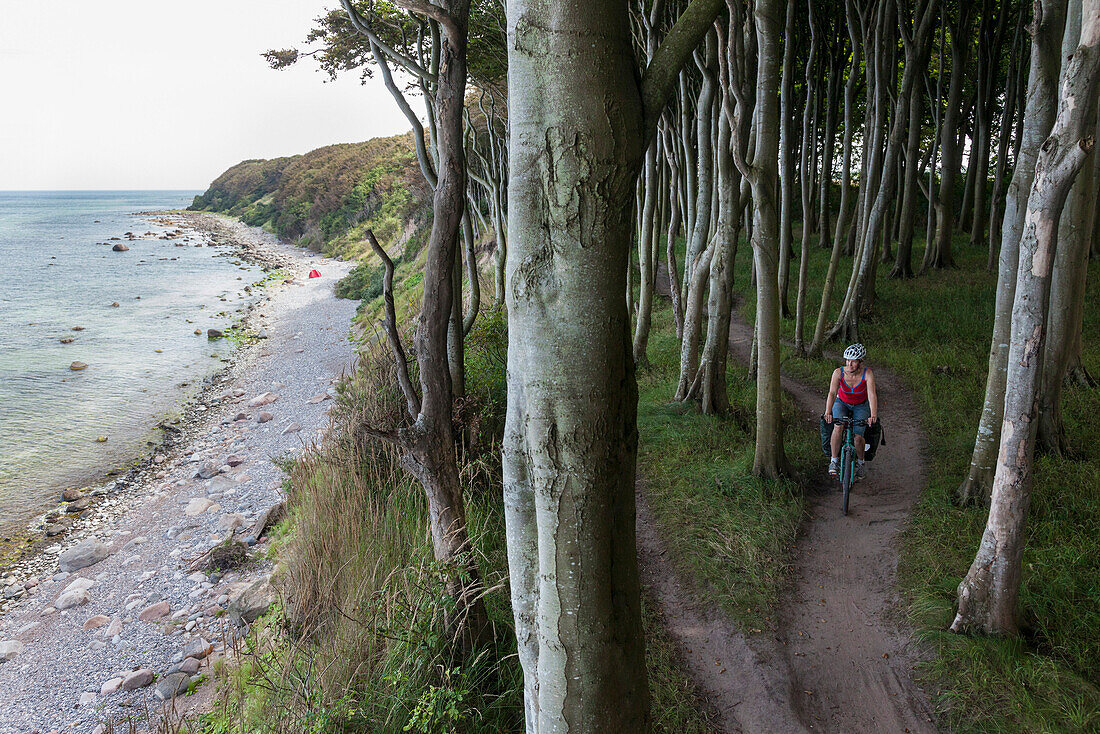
(571, 438)
(579, 125)
(1042, 99)
(988, 594)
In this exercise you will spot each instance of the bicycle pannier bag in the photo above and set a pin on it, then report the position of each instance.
(874, 437)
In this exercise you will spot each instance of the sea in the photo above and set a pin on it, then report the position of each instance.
(131, 318)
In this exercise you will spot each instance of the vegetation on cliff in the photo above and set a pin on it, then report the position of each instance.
(327, 198)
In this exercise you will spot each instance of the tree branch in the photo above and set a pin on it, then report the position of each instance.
(430, 10)
(660, 76)
(390, 326)
(422, 156)
(360, 23)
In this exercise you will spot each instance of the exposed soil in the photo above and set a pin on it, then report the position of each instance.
(841, 661)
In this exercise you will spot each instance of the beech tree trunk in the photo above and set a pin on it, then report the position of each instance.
(988, 594)
(903, 261)
(938, 254)
(715, 397)
(1067, 288)
(1042, 100)
(841, 234)
(997, 203)
(825, 182)
(769, 459)
(917, 50)
(580, 122)
(429, 443)
(786, 158)
(807, 183)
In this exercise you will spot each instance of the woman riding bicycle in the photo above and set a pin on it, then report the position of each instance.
(854, 384)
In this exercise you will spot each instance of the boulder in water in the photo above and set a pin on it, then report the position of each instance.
(119, 247)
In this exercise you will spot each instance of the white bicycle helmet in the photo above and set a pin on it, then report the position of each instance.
(855, 351)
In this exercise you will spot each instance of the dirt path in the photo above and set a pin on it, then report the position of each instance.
(840, 661)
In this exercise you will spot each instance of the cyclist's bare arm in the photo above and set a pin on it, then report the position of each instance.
(834, 386)
(872, 397)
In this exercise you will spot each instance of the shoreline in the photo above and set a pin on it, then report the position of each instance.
(143, 610)
(26, 548)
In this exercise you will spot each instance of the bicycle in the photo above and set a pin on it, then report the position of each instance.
(847, 475)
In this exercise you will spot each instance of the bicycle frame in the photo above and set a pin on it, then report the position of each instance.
(848, 458)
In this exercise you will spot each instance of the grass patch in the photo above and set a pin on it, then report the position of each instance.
(731, 533)
(1047, 680)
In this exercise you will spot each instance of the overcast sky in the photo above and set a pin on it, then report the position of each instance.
(141, 94)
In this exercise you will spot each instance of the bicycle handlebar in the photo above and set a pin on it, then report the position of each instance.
(853, 421)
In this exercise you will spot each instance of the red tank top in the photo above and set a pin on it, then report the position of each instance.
(853, 395)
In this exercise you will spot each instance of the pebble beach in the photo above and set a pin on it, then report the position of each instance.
(119, 617)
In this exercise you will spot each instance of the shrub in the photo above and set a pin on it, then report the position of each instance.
(363, 283)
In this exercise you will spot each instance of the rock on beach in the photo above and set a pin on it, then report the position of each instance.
(82, 555)
(137, 679)
(171, 686)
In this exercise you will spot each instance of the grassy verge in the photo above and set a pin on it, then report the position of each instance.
(359, 642)
(1047, 680)
(729, 532)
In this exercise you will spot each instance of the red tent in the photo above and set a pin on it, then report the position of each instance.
(314, 274)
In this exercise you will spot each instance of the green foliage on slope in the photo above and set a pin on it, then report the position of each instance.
(327, 198)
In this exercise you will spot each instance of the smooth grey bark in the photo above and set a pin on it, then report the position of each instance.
(647, 261)
(989, 57)
(1014, 82)
(1042, 99)
(580, 121)
(705, 59)
(714, 395)
(674, 221)
(825, 181)
(647, 266)
(769, 459)
(786, 160)
(917, 42)
(937, 115)
(700, 249)
(1067, 287)
(469, 245)
(841, 233)
(903, 261)
(807, 183)
(938, 253)
(988, 594)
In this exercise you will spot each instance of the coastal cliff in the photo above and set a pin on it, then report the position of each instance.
(327, 198)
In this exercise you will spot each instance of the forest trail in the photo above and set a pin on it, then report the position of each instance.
(841, 660)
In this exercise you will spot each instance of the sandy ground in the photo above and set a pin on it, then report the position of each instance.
(55, 680)
(841, 661)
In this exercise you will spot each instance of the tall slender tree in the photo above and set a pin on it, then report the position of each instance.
(1048, 24)
(987, 596)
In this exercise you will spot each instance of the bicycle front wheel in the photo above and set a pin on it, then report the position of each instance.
(846, 472)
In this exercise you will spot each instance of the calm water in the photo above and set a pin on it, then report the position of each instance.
(55, 274)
